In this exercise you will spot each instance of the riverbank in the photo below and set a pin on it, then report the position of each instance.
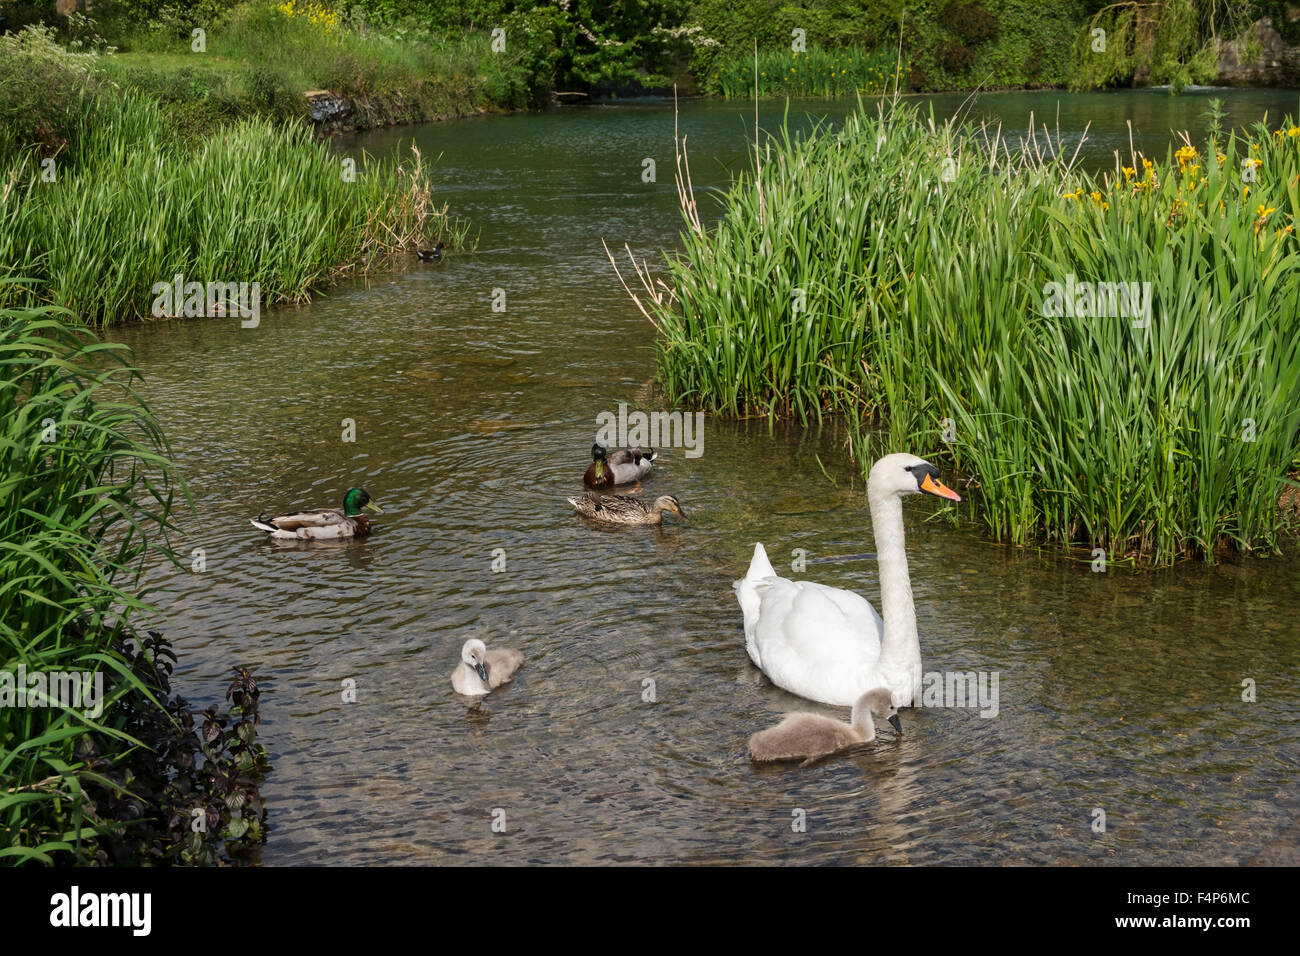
(201, 95)
(396, 62)
(303, 62)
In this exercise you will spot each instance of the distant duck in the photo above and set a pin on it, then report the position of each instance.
(431, 255)
(624, 467)
(481, 670)
(323, 523)
(626, 509)
(809, 737)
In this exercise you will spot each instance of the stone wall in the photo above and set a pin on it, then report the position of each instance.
(1261, 57)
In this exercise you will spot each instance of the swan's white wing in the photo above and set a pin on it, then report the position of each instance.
(816, 641)
(856, 608)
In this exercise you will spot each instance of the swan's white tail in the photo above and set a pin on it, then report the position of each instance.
(759, 566)
(749, 594)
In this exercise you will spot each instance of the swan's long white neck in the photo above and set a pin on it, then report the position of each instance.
(896, 607)
(861, 720)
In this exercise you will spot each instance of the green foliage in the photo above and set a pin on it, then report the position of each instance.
(261, 56)
(526, 73)
(22, 13)
(411, 74)
(87, 493)
(947, 44)
(1172, 42)
(191, 795)
(40, 89)
(616, 41)
(579, 44)
(1279, 11)
(898, 269)
(155, 23)
(832, 24)
(961, 44)
(816, 72)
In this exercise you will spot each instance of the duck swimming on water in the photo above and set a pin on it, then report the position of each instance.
(626, 509)
(624, 467)
(323, 523)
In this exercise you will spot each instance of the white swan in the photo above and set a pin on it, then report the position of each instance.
(828, 644)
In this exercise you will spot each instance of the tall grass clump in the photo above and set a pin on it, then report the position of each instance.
(258, 202)
(87, 496)
(87, 491)
(814, 72)
(901, 269)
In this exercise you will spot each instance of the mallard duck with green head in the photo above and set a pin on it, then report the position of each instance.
(323, 523)
(626, 509)
(624, 467)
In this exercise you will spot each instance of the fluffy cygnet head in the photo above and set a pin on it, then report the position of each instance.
(877, 703)
(474, 653)
(904, 474)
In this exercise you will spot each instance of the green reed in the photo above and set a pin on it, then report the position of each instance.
(87, 491)
(848, 71)
(895, 269)
(258, 202)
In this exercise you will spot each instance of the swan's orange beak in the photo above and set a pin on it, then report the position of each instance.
(939, 488)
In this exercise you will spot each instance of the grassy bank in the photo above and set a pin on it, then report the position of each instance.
(394, 62)
(899, 269)
(124, 203)
(260, 58)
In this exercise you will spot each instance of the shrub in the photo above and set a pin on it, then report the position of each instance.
(41, 86)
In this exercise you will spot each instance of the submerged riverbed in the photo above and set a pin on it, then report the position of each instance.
(1117, 692)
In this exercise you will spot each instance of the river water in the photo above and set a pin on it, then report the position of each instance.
(623, 739)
